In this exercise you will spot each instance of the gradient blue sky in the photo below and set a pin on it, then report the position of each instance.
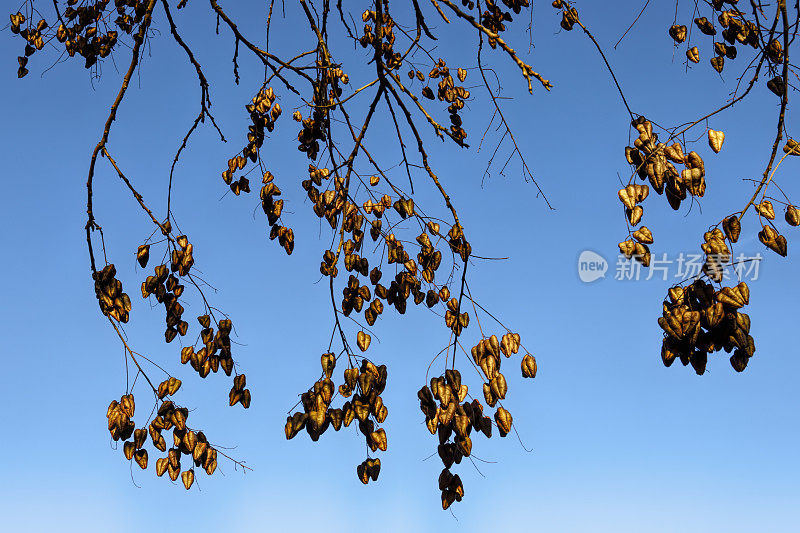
(620, 443)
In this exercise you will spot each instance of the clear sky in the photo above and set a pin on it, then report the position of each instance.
(619, 443)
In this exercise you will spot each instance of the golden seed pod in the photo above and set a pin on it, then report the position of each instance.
(161, 466)
(715, 140)
(678, 33)
(462, 392)
(791, 147)
(143, 254)
(128, 449)
(432, 424)
(634, 215)
(173, 472)
(128, 405)
(141, 458)
(173, 384)
(488, 396)
(792, 216)
(361, 472)
(199, 452)
(188, 478)
(718, 63)
(363, 340)
(668, 355)
(693, 54)
(504, 420)
(773, 240)
(499, 386)
(765, 209)
(379, 438)
(643, 235)
(735, 297)
(732, 227)
(374, 180)
(529, 366)
(328, 362)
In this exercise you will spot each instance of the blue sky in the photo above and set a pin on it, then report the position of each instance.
(619, 442)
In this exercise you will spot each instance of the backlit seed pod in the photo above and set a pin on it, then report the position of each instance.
(504, 420)
(791, 147)
(715, 140)
(735, 297)
(499, 386)
(462, 392)
(643, 235)
(693, 54)
(732, 227)
(488, 396)
(739, 360)
(128, 449)
(379, 438)
(361, 472)
(328, 361)
(363, 340)
(765, 209)
(529, 366)
(128, 405)
(199, 452)
(173, 472)
(634, 215)
(143, 254)
(678, 33)
(173, 384)
(374, 468)
(792, 216)
(161, 466)
(141, 458)
(668, 355)
(773, 240)
(187, 477)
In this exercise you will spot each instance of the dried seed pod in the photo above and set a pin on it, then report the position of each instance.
(363, 340)
(140, 456)
(188, 478)
(693, 54)
(504, 420)
(143, 254)
(773, 240)
(634, 215)
(678, 33)
(732, 227)
(777, 86)
(792, 216)
(715, 140)
(161, 466)
(765, 209)
(643, 235)
(528, 366)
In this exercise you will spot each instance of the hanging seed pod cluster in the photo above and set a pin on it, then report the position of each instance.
(84, 29)
(415, 253)
(698, 320)
(185, 441)
(364, 385)
(113, 302)
(452, 418)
